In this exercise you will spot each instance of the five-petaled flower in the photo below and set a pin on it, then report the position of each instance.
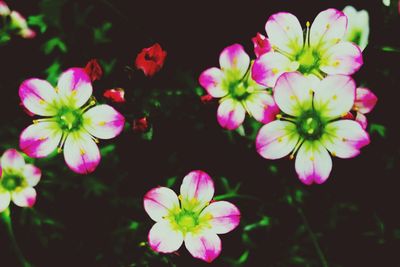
(190, 218)
(312, 124)
(69, 123)
(358, 26)
(321, 52)
(238, 91)
(151, 59)
(17, 180)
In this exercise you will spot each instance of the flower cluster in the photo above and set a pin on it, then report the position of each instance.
(314, 107)
(191, 218)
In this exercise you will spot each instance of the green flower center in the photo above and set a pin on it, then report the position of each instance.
(310, 125)
(70, 120)
(10, 182)
(309, 60)
(187, 221)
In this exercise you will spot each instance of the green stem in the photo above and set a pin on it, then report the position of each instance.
(234, 195)
(313, 238)
(6, 218)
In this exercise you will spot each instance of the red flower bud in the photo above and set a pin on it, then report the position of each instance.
(116, 95)
(94, 70)
(150, 60)
(261, 45)
(206, 98)
(140, 125)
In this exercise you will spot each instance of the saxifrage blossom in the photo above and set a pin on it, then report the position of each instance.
(70, 124)
(358, 26)
(151, 59)
(320, 51)
(17, 180)
(191, 218)
(312, 124)
(239, 93)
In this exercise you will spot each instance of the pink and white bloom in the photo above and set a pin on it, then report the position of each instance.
(17, 180)
(364, 103)
(4, 9)
(71, 120)
(312, 124)
(323, 51)
(190, 218)
(261, 45)
(239, 93)
(18, 23)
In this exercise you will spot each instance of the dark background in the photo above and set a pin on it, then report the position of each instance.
(354, 215)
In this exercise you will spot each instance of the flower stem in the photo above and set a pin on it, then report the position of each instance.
(6, 218)
(313, 238)
(234, 195)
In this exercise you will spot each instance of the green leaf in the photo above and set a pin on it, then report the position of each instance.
(171, 181)
(100, 33)
(107, 66)
(377, 128)
(49, 46)
(38, 22)
(105, 151)
(390, 49)
(53, 72)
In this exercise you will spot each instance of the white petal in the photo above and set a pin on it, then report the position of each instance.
(328, 28)
(25, 197)
(276, 139)
(313, 163)
(81, 153)
(222, 216)
(344, 138)
(284, 32)
(40, 139)
(12, 160)
(164, 238)
(230, 114)
(234, 58)
(293, 93)
(267, 68)
(32, 174)
(103, 121)
(39, 97)
(197, 190)
(205, 245)
(159, 201)
(75, 87)
(335, 96)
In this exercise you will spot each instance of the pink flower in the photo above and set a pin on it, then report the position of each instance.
(239, 93)
(190, 218)
(312, 124)
(68, 123)
(17, 180)
(323, 51)
(18, 22)
(364, 103)
(261, 45)
(4, 9)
